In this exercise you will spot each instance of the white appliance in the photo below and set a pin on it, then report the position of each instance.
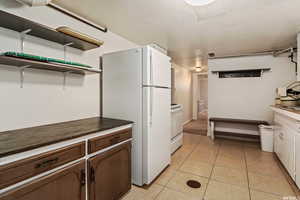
(177, 127)
(136, 87)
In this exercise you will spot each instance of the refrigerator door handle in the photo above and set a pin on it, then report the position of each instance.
(151, 89)
(151, 105)
(151, 69)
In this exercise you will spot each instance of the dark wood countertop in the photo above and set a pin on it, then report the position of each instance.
(21, 140)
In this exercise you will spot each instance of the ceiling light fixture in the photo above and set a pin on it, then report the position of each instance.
(199, 2)
(198, 69)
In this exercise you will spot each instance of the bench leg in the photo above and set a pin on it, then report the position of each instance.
(212, 130)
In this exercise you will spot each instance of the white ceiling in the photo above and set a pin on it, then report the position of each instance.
(189, 33)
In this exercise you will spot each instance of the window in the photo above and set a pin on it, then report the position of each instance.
(240, 74)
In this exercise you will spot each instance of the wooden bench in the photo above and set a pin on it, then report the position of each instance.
(251, 133)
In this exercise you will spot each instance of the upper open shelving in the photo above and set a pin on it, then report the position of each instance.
(20, 24)
(19, 62)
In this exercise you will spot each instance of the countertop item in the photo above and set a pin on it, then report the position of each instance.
(292, 112)
(289, 101)
(42, 59)
(58, 67)
(289, 109)
(81, 36)
(21, 140)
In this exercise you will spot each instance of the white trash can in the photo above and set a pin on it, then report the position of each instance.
(266, 137)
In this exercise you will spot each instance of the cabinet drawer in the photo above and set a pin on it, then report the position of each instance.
(102, 142)
(68, 183)
(26, 168)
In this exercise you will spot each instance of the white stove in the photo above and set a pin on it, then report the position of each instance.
(177, 127)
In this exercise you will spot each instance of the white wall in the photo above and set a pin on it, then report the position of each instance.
(298, 55)
(183, 90)
(43, 99)
(247, 98)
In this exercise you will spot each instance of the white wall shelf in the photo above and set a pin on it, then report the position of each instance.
(26, 63)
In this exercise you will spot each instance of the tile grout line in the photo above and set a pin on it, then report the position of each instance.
(217, 152)
(165, 186)
(267, 175)
(188, 155)
(213, 166)
(244, 159)
(189, 173)
(246, 164)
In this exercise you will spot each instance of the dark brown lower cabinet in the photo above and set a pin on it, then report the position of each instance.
(65, 184)
(110, 173)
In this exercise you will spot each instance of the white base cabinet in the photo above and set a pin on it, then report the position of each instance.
(286, 133)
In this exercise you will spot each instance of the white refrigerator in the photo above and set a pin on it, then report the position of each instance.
(137, 87)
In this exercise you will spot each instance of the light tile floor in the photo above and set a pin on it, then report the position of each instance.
(227, 170)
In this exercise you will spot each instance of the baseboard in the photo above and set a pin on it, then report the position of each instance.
(188, 121)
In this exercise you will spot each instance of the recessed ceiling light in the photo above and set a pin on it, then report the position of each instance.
(198, 69)
(199, 2)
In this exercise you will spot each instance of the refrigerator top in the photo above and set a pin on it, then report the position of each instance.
(146, 48)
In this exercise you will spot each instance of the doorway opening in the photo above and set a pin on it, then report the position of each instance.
(199, 123)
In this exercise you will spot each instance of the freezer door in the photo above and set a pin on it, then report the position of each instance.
(156, 68)
(156, 132)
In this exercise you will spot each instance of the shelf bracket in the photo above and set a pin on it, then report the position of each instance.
(65, 49)
(65, 79)
(22, 36)
(22, 73)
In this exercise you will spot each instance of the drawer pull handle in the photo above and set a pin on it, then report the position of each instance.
(46, 163)
(115, 140)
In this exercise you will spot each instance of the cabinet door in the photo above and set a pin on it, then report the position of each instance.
(278, 139)
(297, 156)
(290, 152)
(110, 173)
(287, 150)
(284, 149)
(65, 184)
